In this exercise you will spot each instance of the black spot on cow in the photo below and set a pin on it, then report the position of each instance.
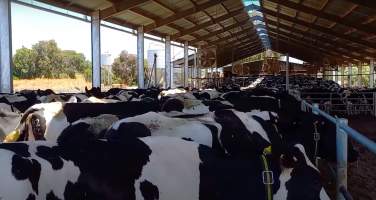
(128, 130)
(149, 191)
(215, 138)
(307, 177)
(30, 197)
(187, 139)
(172, 104)
(23, 169)
(51, 155)
(74, 111)
(20, 149)
(51, 196)
(216, 105)
(236, 138)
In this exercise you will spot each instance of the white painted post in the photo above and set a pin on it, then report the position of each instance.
(140, 57)
(168, 62)
(96, 48)
(185, 71)
(336, 75)
(360, 74)
(343, 76)
(350, 75)
(341, 143)
(371, 73)
(6, 79)
(287, 72)
(194, 71)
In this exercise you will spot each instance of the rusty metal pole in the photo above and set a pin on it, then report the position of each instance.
(341, 142)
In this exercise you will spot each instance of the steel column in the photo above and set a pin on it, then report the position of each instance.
(167, 62)
(371, 73)
(140, 57)
(6, 81)
(194, 71)
(287, 72)
(185, 79)
(343, 76)
(341, 142)
(336, 75)
(349, 77)
(96, 48)
(360, 74)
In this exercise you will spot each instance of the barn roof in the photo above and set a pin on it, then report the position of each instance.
(316, 31)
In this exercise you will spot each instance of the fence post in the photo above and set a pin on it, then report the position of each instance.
(317, 106)
(341, 142)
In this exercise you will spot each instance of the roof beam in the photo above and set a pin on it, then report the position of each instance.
(318, 28)
(366, 3)
(237, 33)
(318, 45)
(324, 15)
(318, 38)
(225, 29)
(181, 15)
(119, 6)
(324, 50)
(206, 24)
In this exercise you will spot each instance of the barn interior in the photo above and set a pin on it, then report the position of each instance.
(321, 52)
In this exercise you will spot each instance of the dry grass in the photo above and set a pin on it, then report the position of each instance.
(57, 85)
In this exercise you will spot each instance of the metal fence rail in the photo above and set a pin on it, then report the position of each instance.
(333, 104)
(343, 131)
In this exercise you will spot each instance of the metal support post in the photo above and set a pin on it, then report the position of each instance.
(287, 71)
(360, 74)
(194, 71)
(185, 84)
(96, 48)
(336, 75)
(341, 140)
(6, 83)
(140, 57)
(350, 75)
(371, 73)
(167, 62)
(343, 76)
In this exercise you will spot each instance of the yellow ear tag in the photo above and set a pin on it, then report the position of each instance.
(268, 150)
(13, 136)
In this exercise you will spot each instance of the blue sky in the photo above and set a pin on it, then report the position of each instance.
(30, 25)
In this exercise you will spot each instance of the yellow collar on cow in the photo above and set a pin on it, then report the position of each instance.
(267, 174)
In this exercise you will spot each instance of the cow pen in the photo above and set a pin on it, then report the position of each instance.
(343, 131)
(240, 91)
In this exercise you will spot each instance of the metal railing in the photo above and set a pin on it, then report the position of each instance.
(334, 104)
(342, 133)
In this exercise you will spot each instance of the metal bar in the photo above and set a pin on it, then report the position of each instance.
(369, 144)
(96, 49)
(6, 81)
(342, 76)
(371, 73)
(349, 77)
(168, 62)
(287, 71)
(185, 64)
(341, 142)
(140, 57)
(194, 71)
(360, 70)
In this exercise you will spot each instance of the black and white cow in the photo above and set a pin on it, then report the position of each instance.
(47, 121)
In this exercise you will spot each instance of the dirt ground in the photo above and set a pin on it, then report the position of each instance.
(361, 174)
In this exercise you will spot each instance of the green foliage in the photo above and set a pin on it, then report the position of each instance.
(46, 60)
(124, 69)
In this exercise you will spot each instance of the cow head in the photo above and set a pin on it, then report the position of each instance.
(38, 121)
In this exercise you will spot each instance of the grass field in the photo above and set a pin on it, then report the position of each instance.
(57, 85)
(64, 85)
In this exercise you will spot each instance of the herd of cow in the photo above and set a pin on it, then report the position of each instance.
(162, 144)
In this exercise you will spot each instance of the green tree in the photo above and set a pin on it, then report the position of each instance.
(24, 63)
(124, 69)
(46, 60)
